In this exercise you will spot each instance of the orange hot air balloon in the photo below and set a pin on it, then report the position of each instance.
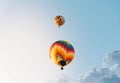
(59, 20)
(61, 53)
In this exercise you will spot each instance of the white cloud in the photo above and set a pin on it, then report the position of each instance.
(103, 75)
(112, 61)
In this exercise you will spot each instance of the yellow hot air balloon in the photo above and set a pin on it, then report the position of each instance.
(61, 53)
(59, 20)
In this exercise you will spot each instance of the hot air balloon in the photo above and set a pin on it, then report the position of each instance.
(61, 53)
(59, 20)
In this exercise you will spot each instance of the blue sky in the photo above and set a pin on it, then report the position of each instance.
(92, 27)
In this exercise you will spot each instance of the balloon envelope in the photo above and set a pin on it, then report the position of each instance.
(61, 53)
(59, 20)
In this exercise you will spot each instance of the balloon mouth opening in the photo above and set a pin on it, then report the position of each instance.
(62, 63)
